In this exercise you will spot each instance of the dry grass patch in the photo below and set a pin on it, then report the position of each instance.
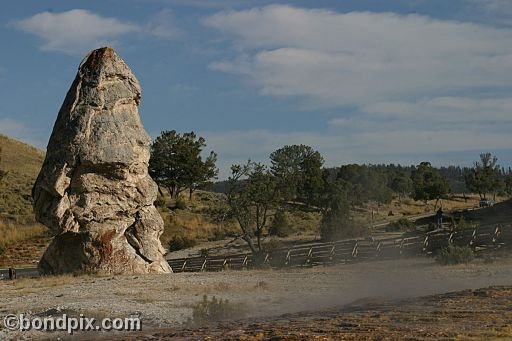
(11, 233)
(22, 162)
(146, 300)
(48, 281)
(198, 220)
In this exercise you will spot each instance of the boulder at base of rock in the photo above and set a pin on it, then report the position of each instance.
(94, 191)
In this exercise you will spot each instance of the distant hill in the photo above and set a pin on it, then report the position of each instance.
(23, 163)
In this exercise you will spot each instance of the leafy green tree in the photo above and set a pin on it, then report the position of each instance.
(252, 196)
(176, 162)
(485, 176)
(298, 169)
(201, 172)
(336, 218)
(280, 225)
(365, 183)
(428, 184)
(508, 184)
(401, 184)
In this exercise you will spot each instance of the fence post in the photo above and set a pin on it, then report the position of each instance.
(496, 236)
(288, 257)
(425, 244)
(401, 246)
(310, 255)
(266, 259)
(203, 267)
(378, 250)
(473, 237)
(354, 250)
(332, 252)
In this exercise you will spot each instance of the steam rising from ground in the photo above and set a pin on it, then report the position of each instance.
(323, 288)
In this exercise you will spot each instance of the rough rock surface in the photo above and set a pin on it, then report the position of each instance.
(94, 191)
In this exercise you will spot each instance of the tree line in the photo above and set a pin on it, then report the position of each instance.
(296, 176)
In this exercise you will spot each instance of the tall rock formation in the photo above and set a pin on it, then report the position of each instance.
(94, 191)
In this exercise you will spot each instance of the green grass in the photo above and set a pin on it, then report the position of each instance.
(452, 255)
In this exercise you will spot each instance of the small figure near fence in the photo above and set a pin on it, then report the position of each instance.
(439, 217)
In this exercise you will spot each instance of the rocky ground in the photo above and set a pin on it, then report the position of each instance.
(165, 301)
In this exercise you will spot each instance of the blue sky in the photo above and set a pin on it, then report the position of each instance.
(362, 81)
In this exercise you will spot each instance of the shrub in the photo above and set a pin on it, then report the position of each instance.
(180, 243)
(272, 244)
(335, 226)
(280, 226)
(401, 224)
(160, 202)
(455, 255)
(337, 222)
(218, 234)
(215, 310)
(180, 204)
(463, 224)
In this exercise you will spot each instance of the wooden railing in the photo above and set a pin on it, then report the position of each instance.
(482, 238)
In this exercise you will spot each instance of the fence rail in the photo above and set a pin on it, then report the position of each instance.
(480, 239)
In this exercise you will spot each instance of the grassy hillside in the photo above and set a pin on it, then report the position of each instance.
(500, 213)
(23, 163)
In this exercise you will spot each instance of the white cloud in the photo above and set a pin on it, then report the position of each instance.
(446, 110)
(162, 25)
(78, 30)
(75, 30)
(496, 12)
(494, 6)
(341, 146)
(207, 4)
(408, 85)
(358, 58)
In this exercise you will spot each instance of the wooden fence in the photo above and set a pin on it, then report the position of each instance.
(350, 251)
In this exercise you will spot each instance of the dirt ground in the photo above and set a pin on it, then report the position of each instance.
(166, 301)
(481, 314)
